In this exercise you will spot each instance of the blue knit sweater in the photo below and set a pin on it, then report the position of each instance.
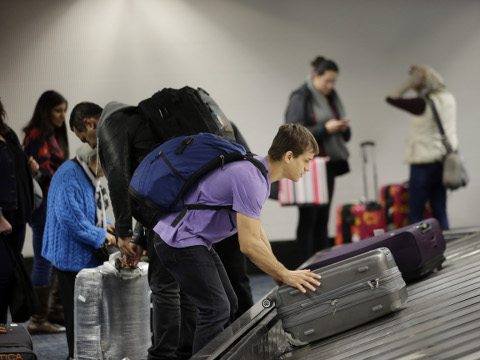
(70, 236)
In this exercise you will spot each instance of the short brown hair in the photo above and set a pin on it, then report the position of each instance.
(292, 137)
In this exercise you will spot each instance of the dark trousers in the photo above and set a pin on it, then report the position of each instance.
(42, 268)
(173, 315)
(201, 275)
(425, 184)
(66, 282)
(312, 229)
(7, 265)
(235, 264)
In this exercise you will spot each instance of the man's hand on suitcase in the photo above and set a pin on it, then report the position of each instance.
(131, 252)
(301, 279)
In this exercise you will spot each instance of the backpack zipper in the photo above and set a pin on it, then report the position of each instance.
(162, 155)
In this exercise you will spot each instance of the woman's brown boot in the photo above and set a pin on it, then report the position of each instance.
(39, 323)
(55, 309)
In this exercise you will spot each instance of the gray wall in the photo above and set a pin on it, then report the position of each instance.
(249, 55)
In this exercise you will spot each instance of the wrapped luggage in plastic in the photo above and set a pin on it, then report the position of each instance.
(112, 313)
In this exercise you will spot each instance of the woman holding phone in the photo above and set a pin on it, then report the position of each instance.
(317, 106)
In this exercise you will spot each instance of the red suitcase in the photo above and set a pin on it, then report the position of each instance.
(394, 202)
(358, 221)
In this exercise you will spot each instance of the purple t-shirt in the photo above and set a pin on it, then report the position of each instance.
(239, 184)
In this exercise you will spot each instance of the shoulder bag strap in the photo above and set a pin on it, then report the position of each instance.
(440, 126)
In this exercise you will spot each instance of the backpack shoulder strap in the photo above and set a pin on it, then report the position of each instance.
(250, 157)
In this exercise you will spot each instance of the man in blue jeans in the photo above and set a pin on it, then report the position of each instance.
(186, 249)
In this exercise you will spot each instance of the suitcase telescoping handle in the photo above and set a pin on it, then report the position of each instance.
(424, 227)
(365, 146)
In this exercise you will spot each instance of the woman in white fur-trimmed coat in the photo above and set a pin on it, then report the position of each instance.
(424, 150)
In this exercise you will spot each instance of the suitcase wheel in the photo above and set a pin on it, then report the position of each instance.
(266, 303)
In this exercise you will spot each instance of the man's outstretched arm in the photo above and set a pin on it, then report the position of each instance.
(254, 244)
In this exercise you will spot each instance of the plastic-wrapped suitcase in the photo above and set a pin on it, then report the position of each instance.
(352, 292)
(418, 249)
(112, 313)
(358, 221)
(16, 343)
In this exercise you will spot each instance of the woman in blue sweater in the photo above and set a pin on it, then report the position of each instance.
(76, 225)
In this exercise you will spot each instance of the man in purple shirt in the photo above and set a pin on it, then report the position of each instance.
(186, 249)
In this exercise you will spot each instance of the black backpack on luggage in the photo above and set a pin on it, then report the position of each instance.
(182, 112)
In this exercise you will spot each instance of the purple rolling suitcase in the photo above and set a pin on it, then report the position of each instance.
(418, 249)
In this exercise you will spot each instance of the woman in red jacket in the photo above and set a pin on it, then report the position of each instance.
(46, 141)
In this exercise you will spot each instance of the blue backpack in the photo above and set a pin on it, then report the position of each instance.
(160, 181)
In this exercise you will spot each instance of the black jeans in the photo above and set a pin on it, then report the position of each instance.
(7, 266)
(66, 286)
(235, 263)
(201, 275)
(173, 315)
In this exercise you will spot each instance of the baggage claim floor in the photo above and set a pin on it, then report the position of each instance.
(441, 320)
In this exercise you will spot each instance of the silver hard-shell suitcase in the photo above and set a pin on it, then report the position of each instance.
(352, 292)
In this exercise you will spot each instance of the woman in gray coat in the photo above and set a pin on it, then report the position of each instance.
(317, 106)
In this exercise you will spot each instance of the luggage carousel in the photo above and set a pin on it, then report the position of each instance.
(441, 320)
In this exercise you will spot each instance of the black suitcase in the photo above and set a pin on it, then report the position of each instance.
(352, 292)
(16, 343)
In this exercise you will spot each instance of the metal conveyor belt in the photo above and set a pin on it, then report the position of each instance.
(441, 320)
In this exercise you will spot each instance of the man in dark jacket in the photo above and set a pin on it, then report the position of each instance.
(123, 138)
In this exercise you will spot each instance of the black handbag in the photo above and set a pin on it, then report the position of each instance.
(23, 300)
(105, 250)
